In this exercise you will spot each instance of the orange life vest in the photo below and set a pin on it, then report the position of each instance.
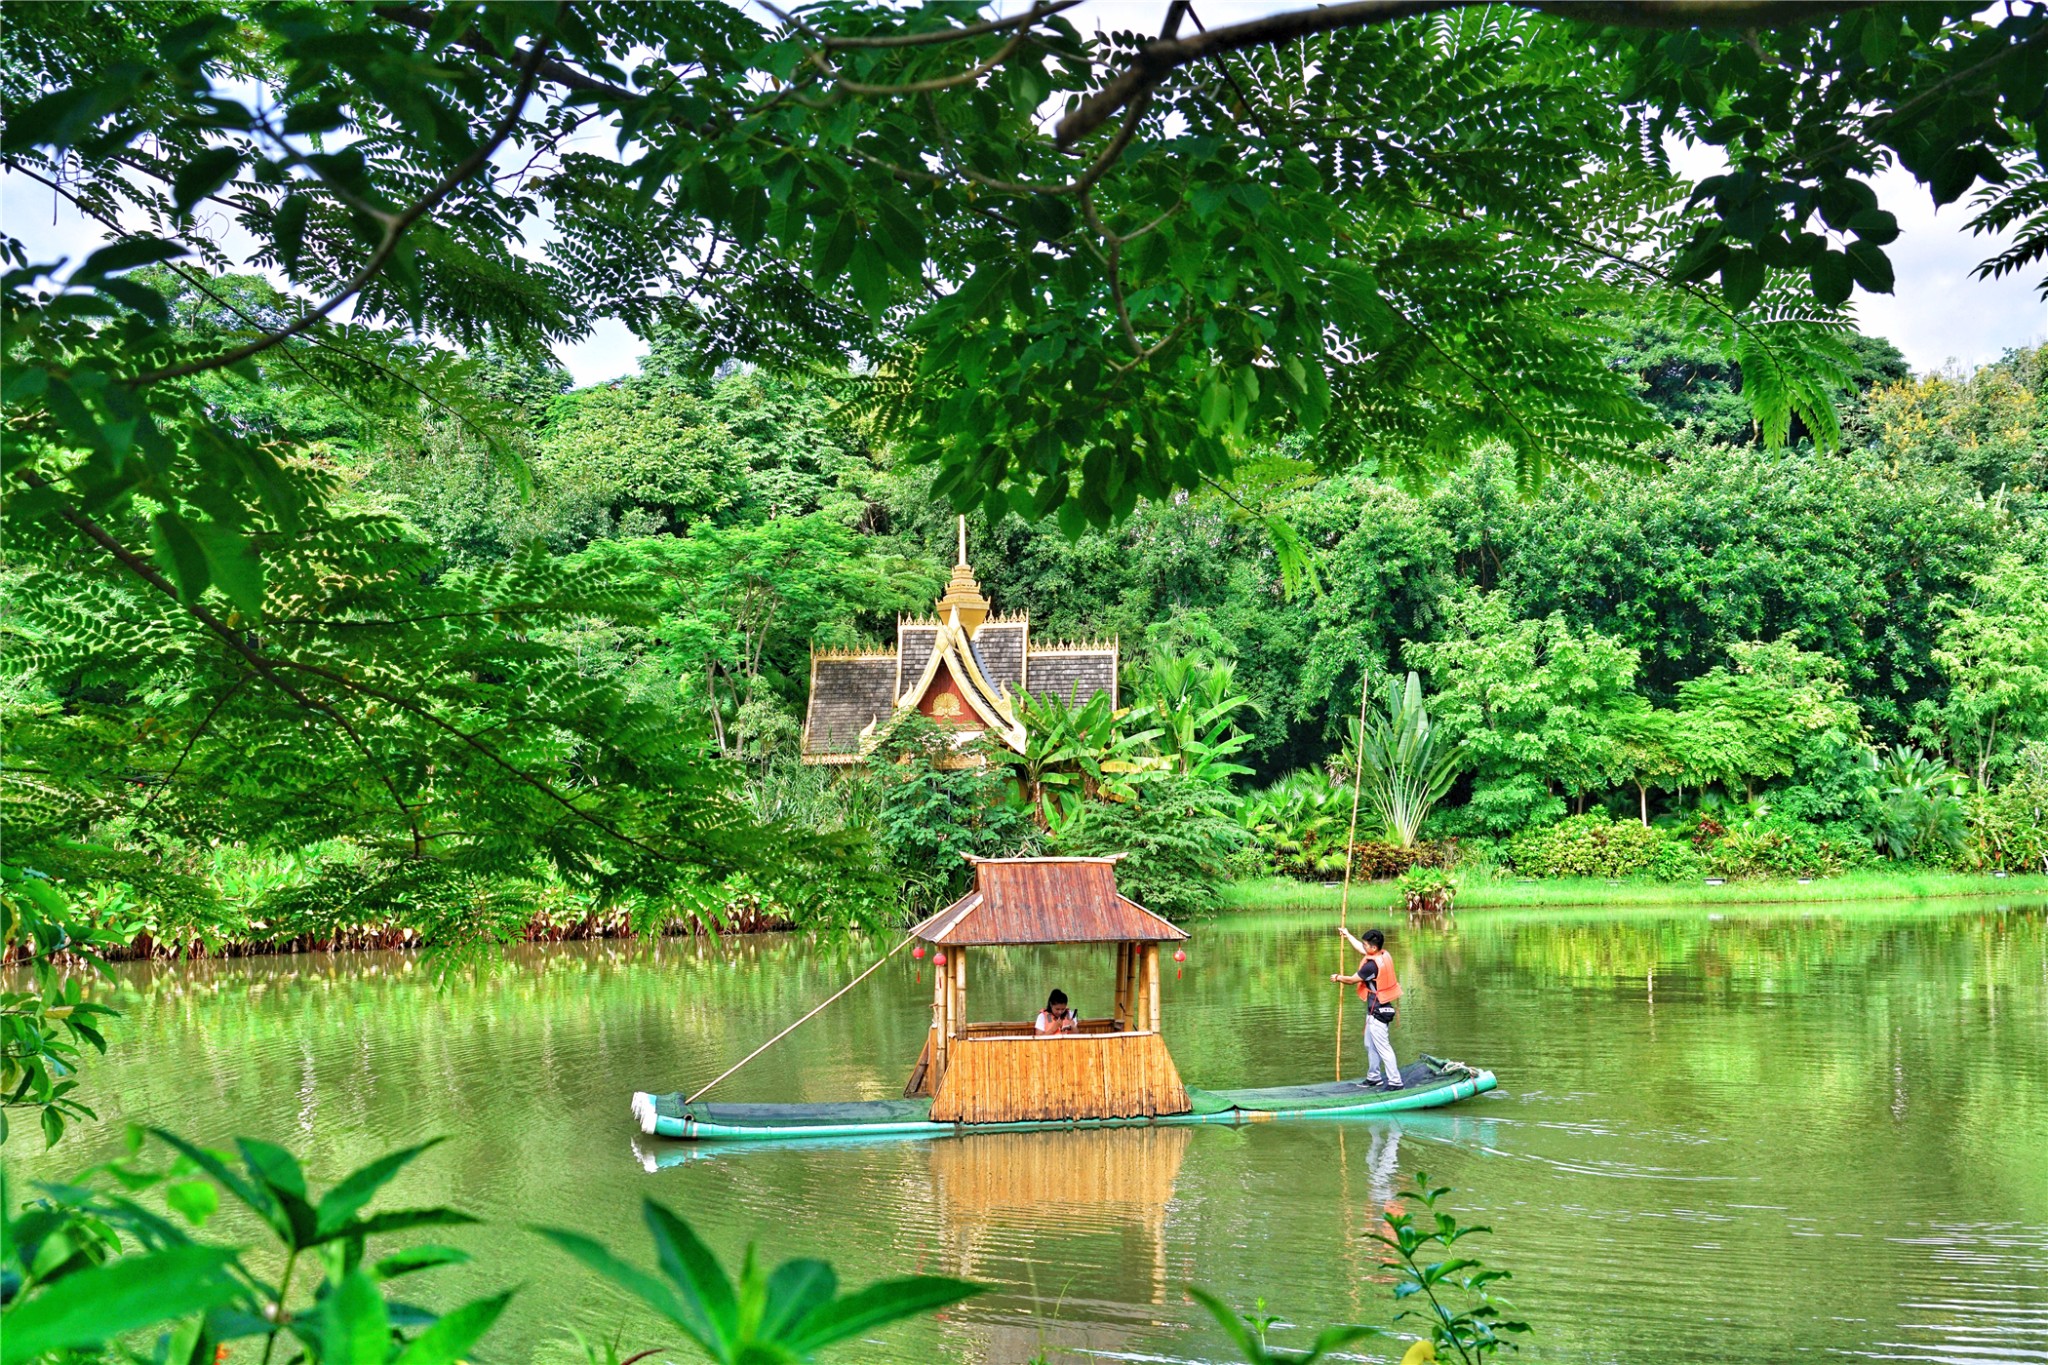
(1386, 987)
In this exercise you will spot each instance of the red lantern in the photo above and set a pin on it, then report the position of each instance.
(1180, 955)
(918, 951)
(939, 958)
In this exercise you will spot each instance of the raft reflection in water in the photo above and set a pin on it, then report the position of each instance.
(1094, 1234)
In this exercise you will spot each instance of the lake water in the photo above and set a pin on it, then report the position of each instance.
(1750, 1136)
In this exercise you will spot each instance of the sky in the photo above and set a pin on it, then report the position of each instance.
(1938, 314)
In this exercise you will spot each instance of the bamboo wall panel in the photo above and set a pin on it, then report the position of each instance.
(1076, 1076)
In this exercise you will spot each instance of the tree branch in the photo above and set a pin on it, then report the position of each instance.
(1158, 60)
(149, 574)
(952, 35)
(394, 230)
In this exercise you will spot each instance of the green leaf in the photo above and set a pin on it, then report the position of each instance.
(833, 249)
(1742, 278)
(879, 1304)
(288, 231)
(695, 1271)
(1833, 279)
(175, 542)
(359, 1187)
(795, 1289)
(277, 1168)
(451, 1338)
(1872, 269)
(631, 1278)
(405, 1220)
(232, 561)
(203, 174)
(97, 1305)
(411, 1260)
(129, 253)
(206, 1161)
(1231, 1322)
(193, 1200)
(352, 1325)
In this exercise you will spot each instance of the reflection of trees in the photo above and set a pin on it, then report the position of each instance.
(1849, 1069)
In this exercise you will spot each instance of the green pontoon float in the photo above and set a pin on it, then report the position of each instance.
(995, 1077)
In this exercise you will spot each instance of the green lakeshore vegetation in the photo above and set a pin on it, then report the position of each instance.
(1283, 893)
(1477, 503)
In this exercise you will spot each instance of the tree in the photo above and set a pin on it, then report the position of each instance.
(1994, 651)
(1991, 426)
(1770, 716)
(1731, 546)
(1533, 705)
(932, 802)
(649, 456)
(1177, 834)
(735, 605)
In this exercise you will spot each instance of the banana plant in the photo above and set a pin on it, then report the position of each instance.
(1076, 753)
(1405, 765)
(765, 1318)
(1196, 706)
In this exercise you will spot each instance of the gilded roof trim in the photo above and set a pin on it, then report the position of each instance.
(988, 703)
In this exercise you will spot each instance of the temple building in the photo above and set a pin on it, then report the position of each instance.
(962, 668)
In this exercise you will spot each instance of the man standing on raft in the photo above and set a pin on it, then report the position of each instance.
(1379, 989)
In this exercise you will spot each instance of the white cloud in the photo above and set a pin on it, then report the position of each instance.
(1938, 311)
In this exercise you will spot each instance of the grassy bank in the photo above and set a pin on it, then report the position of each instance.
(1274, 893)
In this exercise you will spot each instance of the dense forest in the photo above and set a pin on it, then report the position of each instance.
(1742, 660)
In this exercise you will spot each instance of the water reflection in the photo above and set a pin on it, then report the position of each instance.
(1755, 1137)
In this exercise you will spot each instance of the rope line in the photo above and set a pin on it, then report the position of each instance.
(872, 969)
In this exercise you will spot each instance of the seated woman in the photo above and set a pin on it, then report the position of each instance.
(1056, 1017)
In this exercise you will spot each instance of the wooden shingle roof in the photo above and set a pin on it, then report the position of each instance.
(1046, 900)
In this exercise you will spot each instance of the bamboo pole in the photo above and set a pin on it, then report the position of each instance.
(1351, 852)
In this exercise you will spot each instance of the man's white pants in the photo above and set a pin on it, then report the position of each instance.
(1379, 1053)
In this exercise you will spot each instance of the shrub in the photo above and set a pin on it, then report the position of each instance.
(1676, 860)
(1585, 846)
(1427, 890)
(1178, 835)
(1775, 847)
(2009, 827)
(1375, 860)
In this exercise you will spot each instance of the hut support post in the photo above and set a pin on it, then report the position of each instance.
(1123, 989)
(1137, 988)
(959, 965)
(1152, 987)
(941, 1025)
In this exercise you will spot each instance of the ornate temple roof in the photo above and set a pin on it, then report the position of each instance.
(962, 668)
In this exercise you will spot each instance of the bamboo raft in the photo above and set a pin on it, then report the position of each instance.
(1429, 1084)
(1114, 1071)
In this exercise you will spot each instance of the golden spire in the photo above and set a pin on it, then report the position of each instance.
(963, 594)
